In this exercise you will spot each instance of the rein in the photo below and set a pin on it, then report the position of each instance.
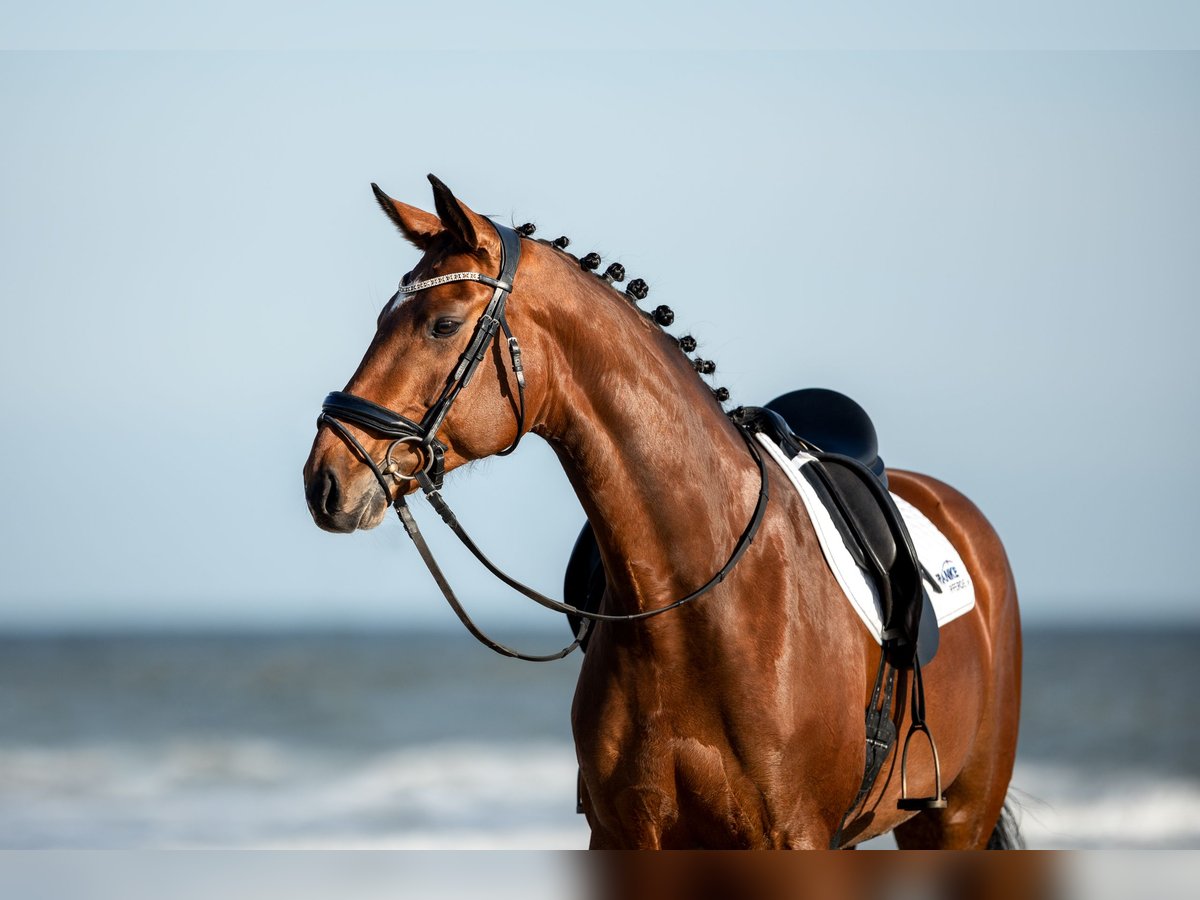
(341, 407)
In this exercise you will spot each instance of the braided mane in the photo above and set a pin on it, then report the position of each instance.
(662, 316)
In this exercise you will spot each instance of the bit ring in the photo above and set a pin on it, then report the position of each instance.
(390, 466)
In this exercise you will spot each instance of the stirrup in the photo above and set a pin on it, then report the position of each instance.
(937, 801)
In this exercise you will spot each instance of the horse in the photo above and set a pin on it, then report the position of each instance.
(736, 720)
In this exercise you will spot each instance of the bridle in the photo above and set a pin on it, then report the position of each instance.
(341, 408)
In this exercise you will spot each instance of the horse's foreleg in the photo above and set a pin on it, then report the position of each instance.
(634, 821)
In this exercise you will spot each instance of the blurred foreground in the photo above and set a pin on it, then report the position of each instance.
(446, 875)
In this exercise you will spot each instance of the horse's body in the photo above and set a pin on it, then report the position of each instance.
(735, 721)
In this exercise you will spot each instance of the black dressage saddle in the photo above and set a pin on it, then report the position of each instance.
(849, 477)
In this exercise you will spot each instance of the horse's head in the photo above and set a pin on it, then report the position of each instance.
(410, 365)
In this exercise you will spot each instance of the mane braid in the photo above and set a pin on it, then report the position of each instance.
(720, 394)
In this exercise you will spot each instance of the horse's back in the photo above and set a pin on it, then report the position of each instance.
(973, 536)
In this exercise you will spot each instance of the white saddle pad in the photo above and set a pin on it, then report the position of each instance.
(936, 553)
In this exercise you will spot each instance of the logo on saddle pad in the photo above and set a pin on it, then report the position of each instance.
(949, 576)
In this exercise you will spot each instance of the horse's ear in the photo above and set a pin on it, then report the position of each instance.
(418, 226)
(472, 229)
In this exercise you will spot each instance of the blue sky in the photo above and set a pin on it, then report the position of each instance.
(994, 252)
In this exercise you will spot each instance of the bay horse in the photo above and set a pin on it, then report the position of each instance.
(732, 721)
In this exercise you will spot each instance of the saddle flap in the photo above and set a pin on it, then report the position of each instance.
(861, 507)
(879, 529)
(584, 583)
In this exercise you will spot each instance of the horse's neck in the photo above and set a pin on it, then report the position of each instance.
(665, 479)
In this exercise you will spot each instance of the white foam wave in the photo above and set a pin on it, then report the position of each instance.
(253, 793)
(257, 793)
(1064, 807)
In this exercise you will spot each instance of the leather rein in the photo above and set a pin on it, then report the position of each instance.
(341, 408)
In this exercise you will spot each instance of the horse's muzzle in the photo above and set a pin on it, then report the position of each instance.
(334, 509)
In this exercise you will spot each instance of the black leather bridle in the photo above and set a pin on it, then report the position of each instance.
(341, 408)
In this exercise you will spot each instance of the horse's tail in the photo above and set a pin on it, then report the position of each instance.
(1006, 835)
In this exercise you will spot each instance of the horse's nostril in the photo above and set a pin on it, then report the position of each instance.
(333, 494)
(324, 492)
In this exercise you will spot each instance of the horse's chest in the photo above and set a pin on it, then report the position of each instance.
(671, 759)
(658, 788)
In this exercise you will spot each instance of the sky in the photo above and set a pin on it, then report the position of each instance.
(984, 233)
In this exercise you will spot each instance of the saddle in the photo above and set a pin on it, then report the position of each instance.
(848, 475)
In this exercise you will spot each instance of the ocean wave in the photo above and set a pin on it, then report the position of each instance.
(259, 793)
(1078, 807)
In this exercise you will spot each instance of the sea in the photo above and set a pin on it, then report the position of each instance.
(429, 741)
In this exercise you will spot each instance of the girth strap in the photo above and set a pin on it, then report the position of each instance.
(880, 736)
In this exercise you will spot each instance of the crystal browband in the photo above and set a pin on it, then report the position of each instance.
(415, 286)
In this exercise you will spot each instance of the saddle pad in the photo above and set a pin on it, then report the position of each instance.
(935, 552)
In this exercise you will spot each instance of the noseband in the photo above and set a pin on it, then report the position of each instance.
(341, 408)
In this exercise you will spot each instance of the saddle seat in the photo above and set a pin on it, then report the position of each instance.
(832, 422)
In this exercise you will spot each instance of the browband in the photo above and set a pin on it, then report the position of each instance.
(415, 286)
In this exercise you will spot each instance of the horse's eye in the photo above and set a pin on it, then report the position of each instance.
(446, 327)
